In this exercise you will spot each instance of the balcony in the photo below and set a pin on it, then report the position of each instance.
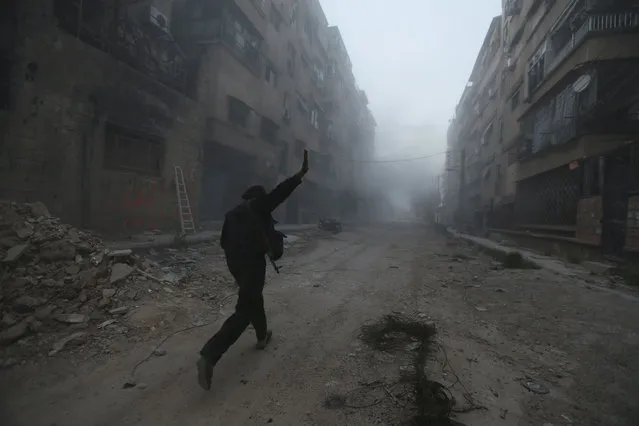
(143, 45)
(594, 25)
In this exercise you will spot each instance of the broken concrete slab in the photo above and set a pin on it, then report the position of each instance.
(71, 318)
(120, 272)
(62, 343)
(15, 253)
(24, 230)
(119, 253)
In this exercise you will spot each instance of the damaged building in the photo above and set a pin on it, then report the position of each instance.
(104, 99)
(569, 126)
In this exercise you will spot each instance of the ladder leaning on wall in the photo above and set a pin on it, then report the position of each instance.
(187, 222)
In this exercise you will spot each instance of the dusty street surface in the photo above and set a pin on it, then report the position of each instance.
(574, 344)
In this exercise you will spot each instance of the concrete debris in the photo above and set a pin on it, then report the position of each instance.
(56, 278)
(71, 318)
(15, 253)
(119, 253)
(536, 387)
(120, 272)
(62, 343)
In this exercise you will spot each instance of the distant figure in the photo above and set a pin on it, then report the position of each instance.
(248, 234)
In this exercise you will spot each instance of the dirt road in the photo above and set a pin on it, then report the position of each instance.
(497, 330)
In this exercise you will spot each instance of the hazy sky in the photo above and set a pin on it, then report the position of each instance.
(413, 58)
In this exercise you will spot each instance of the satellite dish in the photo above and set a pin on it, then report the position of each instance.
(581, 83)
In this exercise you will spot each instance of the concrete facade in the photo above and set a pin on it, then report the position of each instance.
(568, 123)
(100, 110)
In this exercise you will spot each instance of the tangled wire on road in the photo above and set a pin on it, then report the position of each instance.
(433, 400)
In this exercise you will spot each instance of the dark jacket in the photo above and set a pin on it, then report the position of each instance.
(241, 235)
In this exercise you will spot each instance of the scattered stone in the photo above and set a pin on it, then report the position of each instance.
(536, 387)
(15, 333)
(500, 290)
(108, 293)
(97, 258)
(73, 270)
(82, 297)
(52, 283)
(38, 209)
(159, 352)
(120, 272)
(86, 278)
(73, 236)
(23, 231)
(120, 310)
(62, 343)
(119, 253)
(481, 308)
(57, 250)
(71, 318)
(15, 253)
(142, 386)
(24, 304)
(106, 323)
(35, 326)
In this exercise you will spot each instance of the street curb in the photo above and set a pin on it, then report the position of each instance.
(499, 251)
(164, 241)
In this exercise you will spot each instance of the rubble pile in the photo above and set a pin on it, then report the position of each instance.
(55, 279)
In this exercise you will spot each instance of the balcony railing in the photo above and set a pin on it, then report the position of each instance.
(594, 24)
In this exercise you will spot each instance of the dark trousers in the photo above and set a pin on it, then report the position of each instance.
(249, 272)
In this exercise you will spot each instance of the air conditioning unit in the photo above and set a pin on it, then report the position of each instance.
(156, 19)
(510, 63)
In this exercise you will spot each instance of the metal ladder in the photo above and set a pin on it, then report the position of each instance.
(187, 223)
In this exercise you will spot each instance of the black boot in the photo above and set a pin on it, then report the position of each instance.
(204, 373)
(264, 342)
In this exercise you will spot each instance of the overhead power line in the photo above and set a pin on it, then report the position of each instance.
(401, 160)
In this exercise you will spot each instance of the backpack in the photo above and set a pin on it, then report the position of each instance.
(246, 231)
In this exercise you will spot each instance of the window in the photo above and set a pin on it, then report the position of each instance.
(536, 68)
(275, 17)
(302, 108)
(243, 41)
(315, 118)
(290, 62)
(126, 150)
(270, 75)
(238, 112)
(268, 130)
(514, 100)
(294, 13)
(318, 75)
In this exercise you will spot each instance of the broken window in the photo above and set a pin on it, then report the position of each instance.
(242, 39)
(132, 151)
(238, 112)
(268, 130)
